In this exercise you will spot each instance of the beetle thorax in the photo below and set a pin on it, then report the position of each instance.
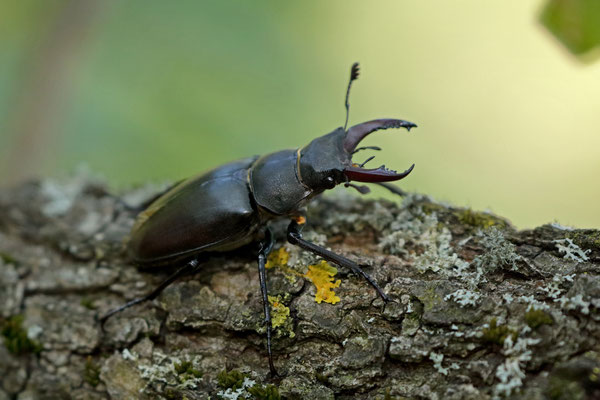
(275, 185)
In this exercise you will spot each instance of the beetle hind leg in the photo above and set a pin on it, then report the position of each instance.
(189, 267)
(294, 236)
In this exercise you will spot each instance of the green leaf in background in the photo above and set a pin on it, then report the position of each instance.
(576, 23)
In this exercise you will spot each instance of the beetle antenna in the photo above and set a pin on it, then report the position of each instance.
(366, 148)
(353, 75)
(366, 161)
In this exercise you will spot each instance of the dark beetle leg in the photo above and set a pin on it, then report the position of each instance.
(189, 267)
(265, 248)
(363, 189)
(294, 236)
(392, 188)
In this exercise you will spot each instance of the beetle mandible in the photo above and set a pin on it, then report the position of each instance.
(231, 205)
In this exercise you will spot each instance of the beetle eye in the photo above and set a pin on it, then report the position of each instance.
(330, 182)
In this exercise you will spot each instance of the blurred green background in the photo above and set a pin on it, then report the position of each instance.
(508, 112)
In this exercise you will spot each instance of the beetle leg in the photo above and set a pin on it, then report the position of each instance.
(294, 236)
(265, 248)
(189, 267)
(363, 189)
(392, 188)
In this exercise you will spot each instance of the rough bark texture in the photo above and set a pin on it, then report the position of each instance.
(479, 309)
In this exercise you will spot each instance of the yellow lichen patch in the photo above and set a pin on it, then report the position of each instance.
(321, 276)
(278, 258)
(279, 312)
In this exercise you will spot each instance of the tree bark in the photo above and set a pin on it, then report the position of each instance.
(478, 309)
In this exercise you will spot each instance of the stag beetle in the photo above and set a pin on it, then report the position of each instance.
(231, 205)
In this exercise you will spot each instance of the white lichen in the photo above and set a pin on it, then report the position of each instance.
(422, 230)
(378, 217)
(557, 225)
(464, 241)
(508, 298)
(510, 373)
(575, 303)
(511, 377)
(239, 393)
(34, 331)
(127, 355)
(553, 289)
(463, 297)
(499, 253)
(437, 362)
(533, 303)
(571, 250)
(162, 369)
(409, 226)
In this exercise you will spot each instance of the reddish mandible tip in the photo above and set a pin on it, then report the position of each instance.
(380, 174)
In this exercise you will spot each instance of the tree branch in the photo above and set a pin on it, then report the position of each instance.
(479, 309)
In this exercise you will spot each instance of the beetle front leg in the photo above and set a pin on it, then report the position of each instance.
(294, 236)
(265, 248)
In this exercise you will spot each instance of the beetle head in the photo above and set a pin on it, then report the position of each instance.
(327, 160)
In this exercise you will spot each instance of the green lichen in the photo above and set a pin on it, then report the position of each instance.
(322, 378)
(388, 396)
(233, 379)
(172, 394)
(478, 219)
(411, 322)
(91, 372)
(186, 369)
(586, 239)
(565, 388)
(497, 334)
(7, 258)
(268, 392)
(279, 312)
(430, 298)
(280, 316)
(16, 339)
(535, 318)
(87, 303)
(429, 207)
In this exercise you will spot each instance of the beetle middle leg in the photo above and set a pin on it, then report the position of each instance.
(294, 236)
(265, 248)
(189, 267)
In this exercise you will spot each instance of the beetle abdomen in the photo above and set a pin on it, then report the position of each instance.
(211, 212)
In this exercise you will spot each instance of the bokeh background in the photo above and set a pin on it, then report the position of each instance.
(506, 94)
